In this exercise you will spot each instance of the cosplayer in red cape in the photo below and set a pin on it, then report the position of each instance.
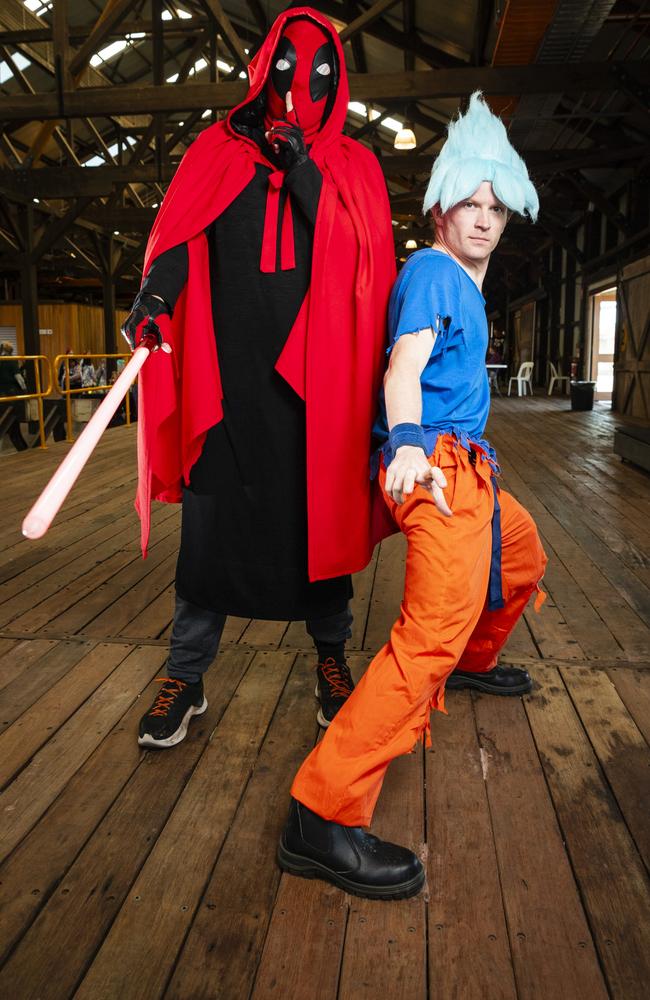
(268, 272)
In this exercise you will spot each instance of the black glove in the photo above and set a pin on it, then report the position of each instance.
(287, 136)
(146, 307)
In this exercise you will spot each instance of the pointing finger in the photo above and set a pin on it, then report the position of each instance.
(439, 500)
(289, 102)
(438, 477)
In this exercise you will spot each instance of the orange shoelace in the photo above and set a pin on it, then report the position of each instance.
(167, 695)
(338, 677)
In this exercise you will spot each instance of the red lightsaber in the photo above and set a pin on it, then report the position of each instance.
(40, 517)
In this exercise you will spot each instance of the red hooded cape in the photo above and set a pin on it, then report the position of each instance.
(334, 355)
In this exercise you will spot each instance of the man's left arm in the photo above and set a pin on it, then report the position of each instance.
(403, 395)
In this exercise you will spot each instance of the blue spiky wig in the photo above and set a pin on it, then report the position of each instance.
(477, 149)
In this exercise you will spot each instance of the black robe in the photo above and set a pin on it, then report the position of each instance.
(244, 525)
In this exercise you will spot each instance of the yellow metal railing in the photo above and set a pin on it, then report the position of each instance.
(68, 392)
(40, 393)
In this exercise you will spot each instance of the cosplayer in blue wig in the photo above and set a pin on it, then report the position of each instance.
(477, 149)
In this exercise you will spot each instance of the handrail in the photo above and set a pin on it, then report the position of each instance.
(40, 394)
(68, 392)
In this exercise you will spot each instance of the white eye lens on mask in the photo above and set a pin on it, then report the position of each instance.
(283, 64)
(324, 69)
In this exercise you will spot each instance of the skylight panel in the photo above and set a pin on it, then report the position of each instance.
(6, 71)
(166, 16)
(224, 66)
(38, 7)
(95, 161)
(114, 149)
(108, 52)
(358, 108)
(173, 78)
(183, 14)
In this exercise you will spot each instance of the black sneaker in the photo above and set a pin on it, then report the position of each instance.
(499, 680)
(166, 722)
(348, 857)
(334, 685)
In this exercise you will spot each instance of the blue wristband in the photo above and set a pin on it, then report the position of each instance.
(402, 434)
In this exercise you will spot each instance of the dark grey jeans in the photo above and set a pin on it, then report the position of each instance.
(196, 635)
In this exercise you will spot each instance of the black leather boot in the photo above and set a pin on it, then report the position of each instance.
(499, 680)
(347, 856)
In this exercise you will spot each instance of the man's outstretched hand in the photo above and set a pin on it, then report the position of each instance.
(287, 139)
(410, 466)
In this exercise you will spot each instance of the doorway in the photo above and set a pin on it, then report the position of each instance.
(603, 331)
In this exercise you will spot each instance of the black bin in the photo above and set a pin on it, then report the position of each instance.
(582, 395)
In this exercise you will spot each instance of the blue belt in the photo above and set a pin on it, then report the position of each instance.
(495, 592)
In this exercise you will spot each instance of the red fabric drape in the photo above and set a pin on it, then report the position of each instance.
(334, 355)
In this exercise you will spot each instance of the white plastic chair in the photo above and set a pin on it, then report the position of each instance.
(523, 378)
(556, 376)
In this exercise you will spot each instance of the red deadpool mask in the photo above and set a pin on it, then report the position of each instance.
(303, 63)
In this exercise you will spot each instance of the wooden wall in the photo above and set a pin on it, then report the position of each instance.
(80, 327)
(632, 359)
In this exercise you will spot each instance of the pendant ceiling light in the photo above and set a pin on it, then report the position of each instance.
(405, 138)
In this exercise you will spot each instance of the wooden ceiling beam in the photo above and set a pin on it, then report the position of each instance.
(67, 182)
(410, 33)
(536, 79)
(61, 46)
(57, 227)
(108, 19)
(75, 69)
(78, 35)
(23, 82)
(591, 192)
(390, 35)
(484, 13)
(363, 21)
(215, 8)
(257, 10)
(11, 154)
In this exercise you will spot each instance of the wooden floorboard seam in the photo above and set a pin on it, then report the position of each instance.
(579, 888)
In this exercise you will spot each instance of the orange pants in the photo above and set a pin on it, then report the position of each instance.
(444, 623)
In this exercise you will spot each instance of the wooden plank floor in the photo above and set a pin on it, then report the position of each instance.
(126, 874)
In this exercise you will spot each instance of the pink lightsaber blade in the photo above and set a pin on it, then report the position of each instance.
(49, 502)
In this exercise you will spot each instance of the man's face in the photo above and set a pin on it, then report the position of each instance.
(472, 228)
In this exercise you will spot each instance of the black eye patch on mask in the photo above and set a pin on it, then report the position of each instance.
(284, 66)
(322, 72)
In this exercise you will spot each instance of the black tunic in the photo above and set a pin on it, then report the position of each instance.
(244, 526)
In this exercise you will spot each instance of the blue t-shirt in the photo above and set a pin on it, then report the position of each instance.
(432, 290)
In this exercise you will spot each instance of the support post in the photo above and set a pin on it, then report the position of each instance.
(108, 301)
(29, 290)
